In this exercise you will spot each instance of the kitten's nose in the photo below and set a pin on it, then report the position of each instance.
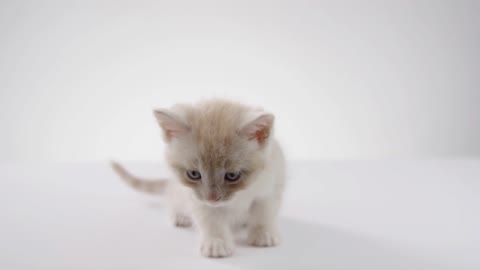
(213, 198)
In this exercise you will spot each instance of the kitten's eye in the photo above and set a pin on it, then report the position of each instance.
(232, 176)
(194, 175)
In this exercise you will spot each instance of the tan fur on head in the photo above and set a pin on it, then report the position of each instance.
(214, 138)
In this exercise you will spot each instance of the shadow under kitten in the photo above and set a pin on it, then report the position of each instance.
(312, 246)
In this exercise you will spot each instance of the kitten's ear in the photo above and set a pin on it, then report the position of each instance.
(258, 129)
(171, 125)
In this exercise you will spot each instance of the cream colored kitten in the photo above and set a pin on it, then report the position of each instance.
(229, 170)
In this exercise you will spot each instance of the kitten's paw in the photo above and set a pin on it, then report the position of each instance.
(216, 248)
(182, 220)
(261, 237)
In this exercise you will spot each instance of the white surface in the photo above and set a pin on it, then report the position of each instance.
(372, 215)
(346, 79)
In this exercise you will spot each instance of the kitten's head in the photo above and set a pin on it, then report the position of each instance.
(216, 147)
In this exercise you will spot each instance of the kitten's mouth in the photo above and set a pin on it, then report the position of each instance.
(215, 203)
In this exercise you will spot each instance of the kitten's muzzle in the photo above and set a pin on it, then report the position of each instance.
(213, 198)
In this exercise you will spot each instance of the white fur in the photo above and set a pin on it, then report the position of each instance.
(257, 206)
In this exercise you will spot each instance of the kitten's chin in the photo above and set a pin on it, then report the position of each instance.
(215, 204)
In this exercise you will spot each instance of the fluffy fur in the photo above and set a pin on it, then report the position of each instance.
(219, 140)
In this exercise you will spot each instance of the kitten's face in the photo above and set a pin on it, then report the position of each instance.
(215, 171)
(215, 150)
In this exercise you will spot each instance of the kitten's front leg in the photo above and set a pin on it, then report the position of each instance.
(262, 231)
(216, 240)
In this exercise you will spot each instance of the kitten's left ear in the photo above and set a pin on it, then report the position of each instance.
(259, 129)
(172, 126)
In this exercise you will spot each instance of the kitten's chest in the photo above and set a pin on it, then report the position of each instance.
(240, 208)
(240, 212)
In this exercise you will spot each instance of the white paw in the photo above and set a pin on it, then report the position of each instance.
(182, 220)
(261, 237)
(216, 248)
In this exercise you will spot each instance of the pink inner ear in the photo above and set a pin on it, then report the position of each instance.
(259, 129)
(172, 130)
(171, 126)
(261, 135)
(169, 134)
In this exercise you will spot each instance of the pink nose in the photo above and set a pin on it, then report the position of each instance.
(213, 198)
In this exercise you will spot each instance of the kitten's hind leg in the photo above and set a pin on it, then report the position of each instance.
(262, 231)
(179, 216)
(182, 220)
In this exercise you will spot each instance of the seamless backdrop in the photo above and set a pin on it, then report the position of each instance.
(346, 79)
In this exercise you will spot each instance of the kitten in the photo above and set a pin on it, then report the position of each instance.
(229, 170)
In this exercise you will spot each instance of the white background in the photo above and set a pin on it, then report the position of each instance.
(346, 79)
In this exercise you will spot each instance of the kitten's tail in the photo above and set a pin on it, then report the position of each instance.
(147, 186)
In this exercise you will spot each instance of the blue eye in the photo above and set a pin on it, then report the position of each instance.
(194, 175)
(232, 176)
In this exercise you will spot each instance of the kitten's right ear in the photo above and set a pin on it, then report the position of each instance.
(171, 125)
(259, 129)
